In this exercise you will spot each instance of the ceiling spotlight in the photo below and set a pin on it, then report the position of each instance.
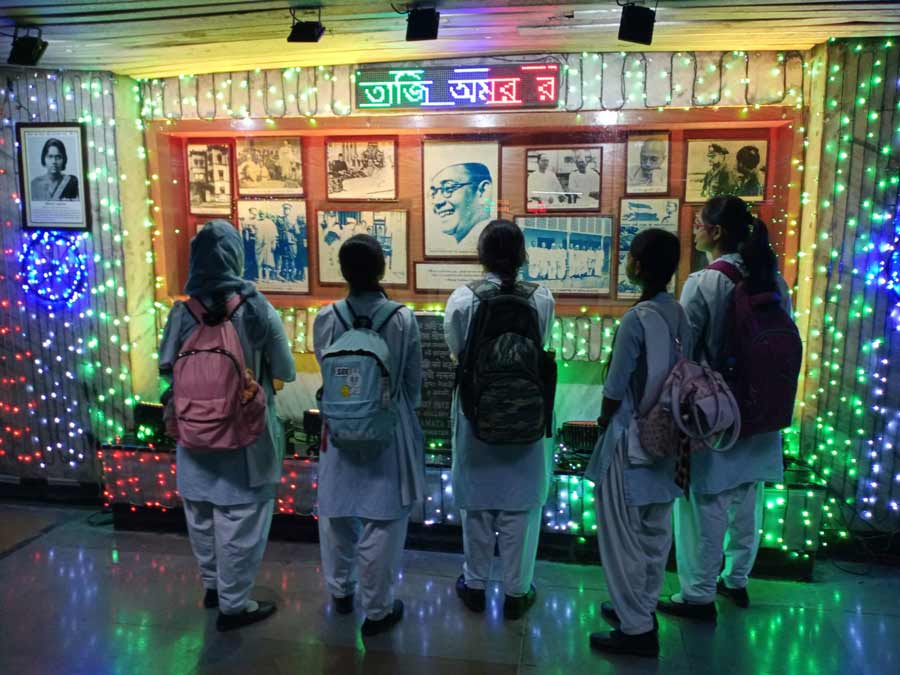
(306, 31)
(422, 24)
(637, 23)
(27, 49)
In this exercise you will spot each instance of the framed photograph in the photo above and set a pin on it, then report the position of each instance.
(568, 254)
(637, 214)
(276, 247)
(462, 186)
(563, 179)
(647, 165)
(52, 163)
(388, 227)
(726, 167)
(444, 277)
(209, 178)
(269, 166)
(362, 169)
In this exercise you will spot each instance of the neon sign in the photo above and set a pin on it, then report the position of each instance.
(528, 85)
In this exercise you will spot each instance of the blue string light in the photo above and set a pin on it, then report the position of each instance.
(54, 267)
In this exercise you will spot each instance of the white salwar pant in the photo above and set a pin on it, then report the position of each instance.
(634, 544)
(516, 534)
(377, 546)
(708, 526)
(229, 543)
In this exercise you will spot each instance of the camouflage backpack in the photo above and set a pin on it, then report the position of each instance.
(507, 382)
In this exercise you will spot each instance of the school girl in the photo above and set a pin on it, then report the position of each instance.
(633, 494)
(365, 497)
(229, 495)
(500, 489)
(724, 512)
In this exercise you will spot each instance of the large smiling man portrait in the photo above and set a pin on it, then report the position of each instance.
(461, 198)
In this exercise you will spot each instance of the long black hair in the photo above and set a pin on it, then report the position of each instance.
(362, 263)
(658, 252)
(501, 250)
(745, 234)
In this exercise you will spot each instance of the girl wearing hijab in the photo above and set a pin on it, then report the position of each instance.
(229, 495)
(365, 497)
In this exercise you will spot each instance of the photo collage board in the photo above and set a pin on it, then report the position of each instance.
(577, 242)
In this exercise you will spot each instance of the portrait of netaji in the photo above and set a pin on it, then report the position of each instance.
(461, 186)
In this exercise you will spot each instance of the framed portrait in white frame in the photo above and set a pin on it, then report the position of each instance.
(461, 181)
(647, 163)
(52, 170)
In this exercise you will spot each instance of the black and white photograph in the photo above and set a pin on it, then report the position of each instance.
(388, 227)
(269, 166)
(462, 186)
(362, 169)
(635, 215)
(276, 247)
(648, 164)
(728, 167)
(568, 254)
(209, 178)
(563, 179)
(52, 171)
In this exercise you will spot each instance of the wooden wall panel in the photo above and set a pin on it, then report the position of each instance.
(516, 133)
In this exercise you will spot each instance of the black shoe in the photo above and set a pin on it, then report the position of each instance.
(706, 612)
(343, 605)
(617, 642)
(473, 598)
(515, 606)
(738, 596)
(608, 612)
(370, 627)
(211, 598)
(232, 621)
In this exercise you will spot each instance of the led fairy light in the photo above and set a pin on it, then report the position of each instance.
(54, 267)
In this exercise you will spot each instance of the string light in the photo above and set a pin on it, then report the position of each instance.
(54, 267)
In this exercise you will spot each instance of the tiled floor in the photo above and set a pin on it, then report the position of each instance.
(82, 598)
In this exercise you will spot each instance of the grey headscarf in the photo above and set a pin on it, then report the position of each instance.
(216, 269)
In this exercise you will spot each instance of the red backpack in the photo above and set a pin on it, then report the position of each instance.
(206, 409)
(762, 357)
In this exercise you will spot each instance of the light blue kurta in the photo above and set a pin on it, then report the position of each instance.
(484, 476)
(248, 475)
(706, 298)
(380, 486)
(625, 381)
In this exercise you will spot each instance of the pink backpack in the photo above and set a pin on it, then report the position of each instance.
(688, 401)
(209, 377)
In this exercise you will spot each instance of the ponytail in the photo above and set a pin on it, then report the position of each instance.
(759, 258)
(744, 234)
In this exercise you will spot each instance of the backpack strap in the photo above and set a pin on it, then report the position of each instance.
(344, 313)
(730, 270)
(656, 330)
(198, 310)
(484, 289)
(384, 314)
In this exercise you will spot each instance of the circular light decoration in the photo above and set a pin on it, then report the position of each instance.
(54, 267)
